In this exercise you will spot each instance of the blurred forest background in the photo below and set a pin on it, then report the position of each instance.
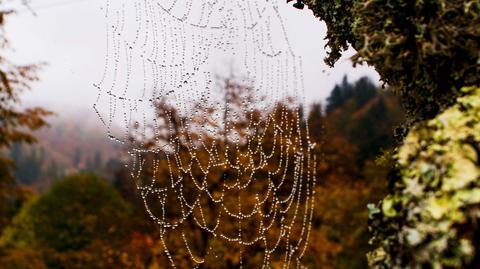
(72, 204)
(67, 201)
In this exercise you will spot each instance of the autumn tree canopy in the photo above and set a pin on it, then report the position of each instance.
(253, 173)
(16, 123)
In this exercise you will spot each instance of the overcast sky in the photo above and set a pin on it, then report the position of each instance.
(69, 35)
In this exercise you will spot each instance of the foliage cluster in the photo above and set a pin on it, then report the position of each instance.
(16, 124)
(241, 139)
(80, 222)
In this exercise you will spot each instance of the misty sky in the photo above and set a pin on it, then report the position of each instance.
(69, 36)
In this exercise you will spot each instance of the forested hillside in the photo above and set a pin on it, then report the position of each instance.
(352, 129)
(71, 143)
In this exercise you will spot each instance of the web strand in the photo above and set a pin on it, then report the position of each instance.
(219, 156)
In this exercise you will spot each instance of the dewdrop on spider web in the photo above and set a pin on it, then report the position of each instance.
(220, 155)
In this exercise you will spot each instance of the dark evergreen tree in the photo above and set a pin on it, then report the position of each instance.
(365, 115)
(97, 161)
(363, 91)
(77, 157)
(340, 93)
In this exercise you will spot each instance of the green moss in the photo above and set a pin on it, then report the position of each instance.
(425, 49)
(430, 219)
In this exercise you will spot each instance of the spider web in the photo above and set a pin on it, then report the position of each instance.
(218, 158)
